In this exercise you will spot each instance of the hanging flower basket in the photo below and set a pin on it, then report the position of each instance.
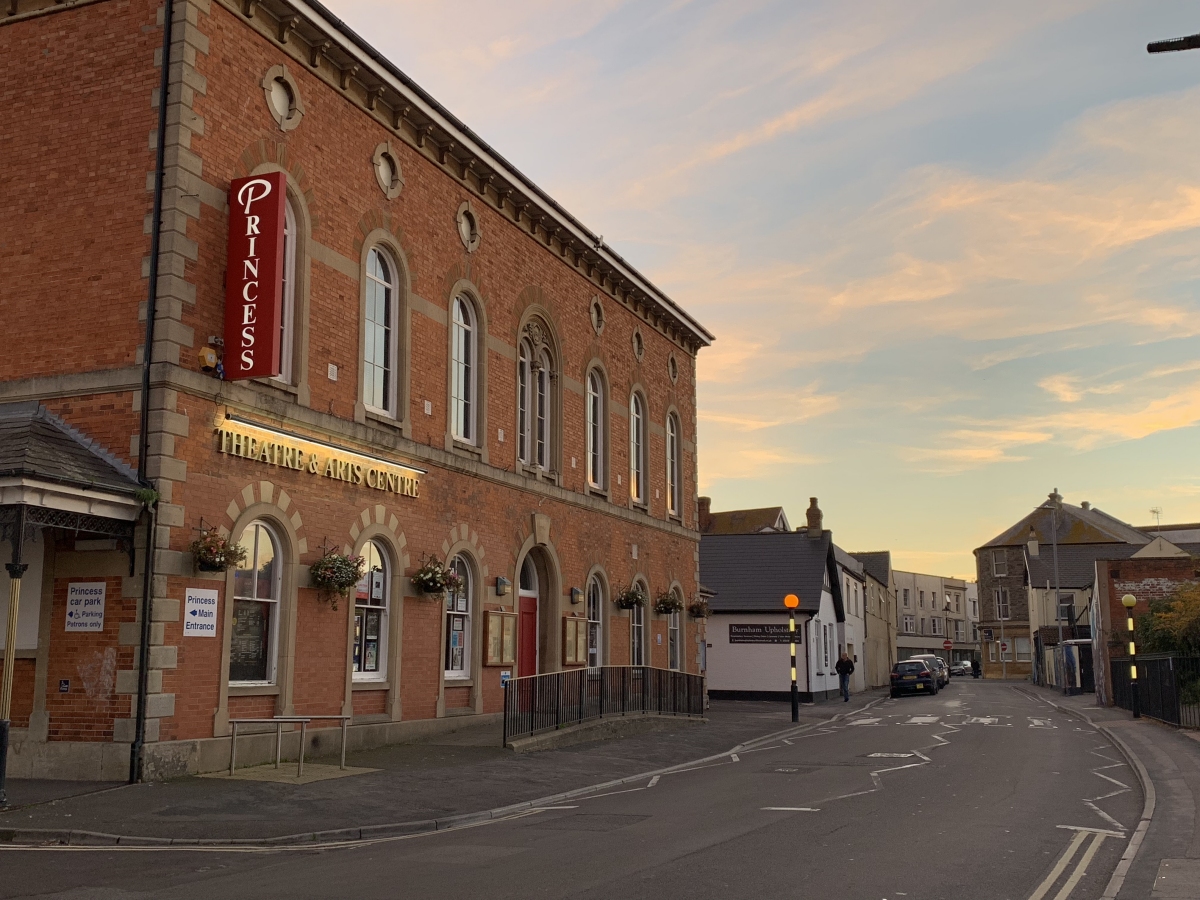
(698, 609)
(334, 575)
(433, 579)
(214, 553)
(667, 603)
(630, 597)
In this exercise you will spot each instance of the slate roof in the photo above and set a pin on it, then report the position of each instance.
(35, 443)
(1076, 525)
(754, 572)
(878, 565)
(848, 562)
(1076, 563)
(747, 521)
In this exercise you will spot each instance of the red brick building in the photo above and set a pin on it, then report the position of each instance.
(466, 375)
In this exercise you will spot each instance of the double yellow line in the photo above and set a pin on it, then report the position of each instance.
(1064, 862)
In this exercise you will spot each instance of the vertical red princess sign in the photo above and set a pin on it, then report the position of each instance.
(254, 278)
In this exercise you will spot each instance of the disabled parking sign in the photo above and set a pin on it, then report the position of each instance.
(85, 606)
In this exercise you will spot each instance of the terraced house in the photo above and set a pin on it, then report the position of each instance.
(369, 335)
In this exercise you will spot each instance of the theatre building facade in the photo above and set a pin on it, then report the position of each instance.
(371, 337)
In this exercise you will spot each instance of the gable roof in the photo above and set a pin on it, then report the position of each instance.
(754, 572)
(1076, 563)
(36, 444)
(748, 521)
(1076, 525)
(848, 562)
(877, 564)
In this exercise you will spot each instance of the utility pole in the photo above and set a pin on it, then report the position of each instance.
(1055, 506)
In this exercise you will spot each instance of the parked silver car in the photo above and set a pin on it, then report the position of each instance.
(937, 664)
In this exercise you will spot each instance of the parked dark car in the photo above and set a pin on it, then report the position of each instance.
(937, 665)
(913, 676)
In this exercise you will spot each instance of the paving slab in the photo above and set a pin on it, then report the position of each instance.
(464, 772)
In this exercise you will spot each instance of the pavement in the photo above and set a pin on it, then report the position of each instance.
(983, 791)
(417, 786)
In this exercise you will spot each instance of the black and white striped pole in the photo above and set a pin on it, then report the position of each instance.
(1128, 601)
(791, 601)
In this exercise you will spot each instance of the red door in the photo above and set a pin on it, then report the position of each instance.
(527, 636)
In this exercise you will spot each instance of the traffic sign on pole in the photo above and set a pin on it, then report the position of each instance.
(947, 644)
(1004, 646)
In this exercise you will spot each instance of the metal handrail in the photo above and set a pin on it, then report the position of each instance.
(279, 722)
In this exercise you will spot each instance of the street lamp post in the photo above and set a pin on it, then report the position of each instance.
(1128, 602)
(1055, 506)
(791, 601)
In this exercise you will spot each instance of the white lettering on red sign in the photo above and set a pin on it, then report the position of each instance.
(254, 277)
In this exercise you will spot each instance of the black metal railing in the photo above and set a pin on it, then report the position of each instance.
(538, 703)
(1168, 688)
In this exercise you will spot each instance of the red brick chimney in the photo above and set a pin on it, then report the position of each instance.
(705, 514)
(814, 518)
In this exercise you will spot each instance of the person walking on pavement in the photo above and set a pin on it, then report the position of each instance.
(844, 668)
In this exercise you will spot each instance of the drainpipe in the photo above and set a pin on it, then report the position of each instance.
(137, 748)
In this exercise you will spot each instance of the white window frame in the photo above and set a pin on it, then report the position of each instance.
(674, 465)
(992, 651)
(637, 449)
(935, 623)
(287, 318)
(674, 639)
(1003, 604)
(595, 616)
(464, 371)
(974, 608)
(252, 555)
(595, 430)
(542, 411)
(637, 634)
(1066, 599)
(906, 600)
(999, 564)
(910, 625)
(389, 340)
(1024, 649)
(371, 584)
(457, 606)
(524, 407)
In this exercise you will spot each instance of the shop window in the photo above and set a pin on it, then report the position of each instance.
(458, 622)
(370, 617)
(637, 449)
(595, 430)
(674, 641)
(637, 634)
(256, 590)
(379, 338)
(1024, 649)
(287, 319)
(595, 611)
(673, 464)
(464, 342)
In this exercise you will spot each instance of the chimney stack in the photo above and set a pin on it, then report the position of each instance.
(705, 514)
(1086, 505)
(814, 518)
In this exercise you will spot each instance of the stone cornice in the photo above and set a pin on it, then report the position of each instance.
(329, 49)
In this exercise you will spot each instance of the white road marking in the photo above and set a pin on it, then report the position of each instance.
(865, 722)
(891, 755)
(653, 781)
(756, 749)
(791, 809)
(612, 793)
(1081, 869)
(1040, 723)
(981, 720)
(735, 757)
(544, 808)
(1091, 830)
(923, 720)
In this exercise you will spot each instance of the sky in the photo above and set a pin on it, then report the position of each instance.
(949, 251)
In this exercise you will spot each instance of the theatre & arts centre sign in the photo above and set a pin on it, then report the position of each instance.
(287, 451)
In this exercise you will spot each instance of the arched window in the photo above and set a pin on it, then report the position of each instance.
(674, 638)
(458, 622)
(542, 422)
(595, 430)
(524, 381)
(673, 465)
(463, 375)
(379, 338)
(257, 584)
(637, 633)
(370, 616)
(637, 449)
(287, 319)
(595, 611)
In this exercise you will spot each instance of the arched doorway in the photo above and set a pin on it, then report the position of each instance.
(527, 619)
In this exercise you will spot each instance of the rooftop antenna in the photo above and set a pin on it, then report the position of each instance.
(1156, 511)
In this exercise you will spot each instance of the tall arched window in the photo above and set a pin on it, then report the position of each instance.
(370, 616)
(379, 343)
(541, 423)
(595, 611)
(637, 634)
(287, 319)
(256, 590)
(463, 376)
(637, 449)
(524, 381)
(673, 465)
(595, 430)
(674, 636)
(458, 622)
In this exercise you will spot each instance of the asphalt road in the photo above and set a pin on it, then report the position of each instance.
(980, 792)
